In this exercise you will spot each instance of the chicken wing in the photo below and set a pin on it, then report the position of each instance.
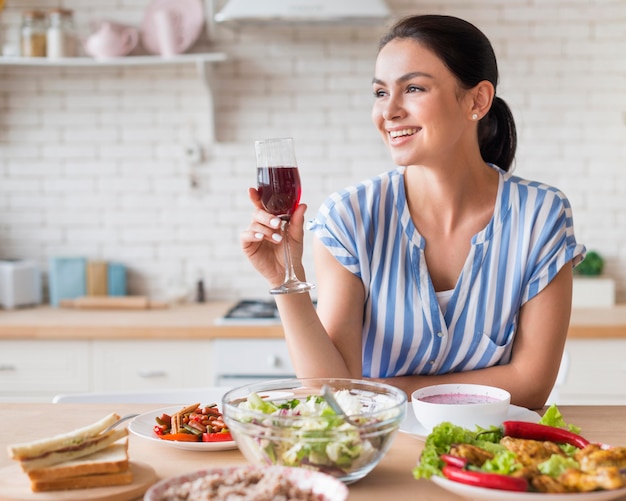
(603, 478)
(473, 454)
(593, 457)
(531, 452)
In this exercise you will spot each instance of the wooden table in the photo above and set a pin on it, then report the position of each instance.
(392, 479)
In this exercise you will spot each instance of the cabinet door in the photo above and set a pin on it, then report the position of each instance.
(150, 365)
(245, 360)
(597, 372)
(38, 370)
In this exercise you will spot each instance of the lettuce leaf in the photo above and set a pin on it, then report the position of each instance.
(553, 417)
(443, 436)
(557, 465)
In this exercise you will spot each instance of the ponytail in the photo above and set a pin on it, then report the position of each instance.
(497, 135)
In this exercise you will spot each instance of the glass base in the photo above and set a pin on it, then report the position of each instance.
(292, 287)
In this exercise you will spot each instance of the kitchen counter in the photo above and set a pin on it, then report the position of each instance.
(198, 321)
(186, 321)
(391, 479)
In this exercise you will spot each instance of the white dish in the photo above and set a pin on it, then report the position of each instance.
(413, 427)
(326, 488)
(482, 494)
(187, 17)
(143, 425)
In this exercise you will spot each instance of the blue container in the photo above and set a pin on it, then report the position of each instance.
(116, 279)
(67, 278)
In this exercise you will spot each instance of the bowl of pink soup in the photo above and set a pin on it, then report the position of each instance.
(466, 405)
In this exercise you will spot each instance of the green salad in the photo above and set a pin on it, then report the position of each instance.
(307, 432)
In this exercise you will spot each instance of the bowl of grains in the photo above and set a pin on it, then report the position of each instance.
(254, 483)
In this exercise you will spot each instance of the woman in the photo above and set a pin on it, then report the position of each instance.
(447, 268)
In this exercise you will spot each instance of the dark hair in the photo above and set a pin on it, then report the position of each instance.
(468, 54)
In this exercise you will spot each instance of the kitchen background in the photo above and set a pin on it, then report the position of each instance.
(94, 160)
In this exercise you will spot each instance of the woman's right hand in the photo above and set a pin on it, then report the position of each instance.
(261, 241)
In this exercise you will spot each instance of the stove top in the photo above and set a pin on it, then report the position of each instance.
(252, 311)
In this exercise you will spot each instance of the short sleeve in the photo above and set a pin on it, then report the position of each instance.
(335, 227)
(553, 243)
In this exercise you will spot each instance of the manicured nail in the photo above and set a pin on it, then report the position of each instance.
(275, 222)
(277, 237)
(258, 236)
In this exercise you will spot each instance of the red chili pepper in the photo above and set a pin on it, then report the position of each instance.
(217, 437)
(487, 480)
(159, 429)
(451, 460)
(536, 431)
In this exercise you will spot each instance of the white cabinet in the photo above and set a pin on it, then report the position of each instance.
(150, 365)
(34, 370)
(596, 373)
(241, 361)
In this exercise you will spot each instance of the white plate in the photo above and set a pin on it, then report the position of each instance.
(187, 21)
(482, 494)
(413, 427)
(326, 488)
(143, 425)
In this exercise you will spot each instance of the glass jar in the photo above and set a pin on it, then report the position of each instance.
(61, 35)
(33, 34)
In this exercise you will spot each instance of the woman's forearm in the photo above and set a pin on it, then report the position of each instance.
(312, 352)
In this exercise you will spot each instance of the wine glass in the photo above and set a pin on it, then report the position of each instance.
(278, 182)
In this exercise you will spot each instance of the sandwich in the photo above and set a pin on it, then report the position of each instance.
(86, 457)
(105, 468)
(64, 447)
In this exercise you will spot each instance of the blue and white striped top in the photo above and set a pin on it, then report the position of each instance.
(369, 230)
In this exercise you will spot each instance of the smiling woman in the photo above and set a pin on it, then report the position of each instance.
(446, 268)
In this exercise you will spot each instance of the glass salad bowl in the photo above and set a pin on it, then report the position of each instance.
(288, 422)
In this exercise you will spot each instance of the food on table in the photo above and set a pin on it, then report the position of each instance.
(458, 398)
(82, 458)
(254, 484)
(549, 457)
(107, 467)
(193, 423)
(316, 436)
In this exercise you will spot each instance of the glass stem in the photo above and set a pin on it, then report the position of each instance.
(290, 274)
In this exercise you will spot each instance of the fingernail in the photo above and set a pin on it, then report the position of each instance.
(277, 237)
(258, 236)
(275, 222)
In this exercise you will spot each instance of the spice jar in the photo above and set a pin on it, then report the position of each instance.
(33, 34)
(61, 35)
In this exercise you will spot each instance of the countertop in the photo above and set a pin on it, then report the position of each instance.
(391, 479)
(185, 321)
(198, 321)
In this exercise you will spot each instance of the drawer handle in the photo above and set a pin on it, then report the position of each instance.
(7, 368)
(149, 374)
(274, 361)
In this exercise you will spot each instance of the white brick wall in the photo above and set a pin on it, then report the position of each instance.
(91, 158)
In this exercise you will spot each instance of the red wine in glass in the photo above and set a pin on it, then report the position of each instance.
(280, 189)
(278, 185)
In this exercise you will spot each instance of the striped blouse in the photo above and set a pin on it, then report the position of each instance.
(369, 230)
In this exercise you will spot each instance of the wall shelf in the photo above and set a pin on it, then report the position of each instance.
(199, 58)
(203, 62)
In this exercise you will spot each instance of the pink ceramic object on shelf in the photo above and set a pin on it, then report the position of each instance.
(111, 40)
(171, 27)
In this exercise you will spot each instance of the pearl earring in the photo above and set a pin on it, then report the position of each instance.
(475, 116)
